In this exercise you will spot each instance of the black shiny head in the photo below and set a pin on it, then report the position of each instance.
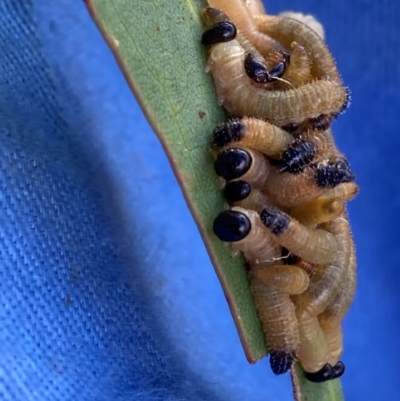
(219, 33)
(275, 220)
(232, 163)
(296, 156)
(226, 133)
(236, 191)
(277, 70)
(338, 370)
(281, 361)
(331, 174)
(255, 70)
(321, 376)
(231, 226)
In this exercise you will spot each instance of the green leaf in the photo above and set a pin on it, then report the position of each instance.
(157, 45)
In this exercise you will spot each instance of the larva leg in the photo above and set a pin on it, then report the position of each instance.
(252, 133)
(286, 30)
(313, 351)
(325, 281)
(281, 108)
(245, 231)
(291, 190)
(320, 210)
(287, 278)
(315, 246)
(246, 164)
(240, 15)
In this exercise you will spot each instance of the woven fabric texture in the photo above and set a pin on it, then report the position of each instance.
(106, 290)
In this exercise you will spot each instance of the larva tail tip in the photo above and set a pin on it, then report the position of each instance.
(281, 361)
(338, 370)
(226, 133)
(231, 226)
(321, 376)
(275, 220)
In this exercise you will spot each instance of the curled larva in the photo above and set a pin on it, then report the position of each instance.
(320, 210)
(240, 15)
(286, 30)
(253, 133)
(281, 108)
(325, 281)
(246, 164)
(313, 351)
(291, 190)
(313, 245)
(247, 234)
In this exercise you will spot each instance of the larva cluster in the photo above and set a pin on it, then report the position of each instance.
(285, 178)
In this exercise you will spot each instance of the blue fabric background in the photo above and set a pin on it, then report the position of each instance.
(106, 290)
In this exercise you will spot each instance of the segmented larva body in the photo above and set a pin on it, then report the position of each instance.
(280, 108)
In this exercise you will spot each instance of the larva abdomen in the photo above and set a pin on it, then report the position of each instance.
(293, 106)
(313, 351)
(287, 278)
(313, 245)
(252, 133)
(327, 278)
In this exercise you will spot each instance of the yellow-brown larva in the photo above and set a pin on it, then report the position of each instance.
(334, 338)
(253, 133)
(255, 199)
(244, 163)
(313, 245)
(281, 108)
(286, 30)
(320, 210)
(327, 278)
(241, 16)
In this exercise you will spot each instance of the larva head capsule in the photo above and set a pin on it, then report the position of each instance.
(219, 33)
(338, 370)
(297, 156)
(232, 163)
(231, 226)
(236, 191)
(321, 376)
(258, 73)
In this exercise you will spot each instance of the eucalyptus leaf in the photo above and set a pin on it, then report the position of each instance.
(157, 45)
